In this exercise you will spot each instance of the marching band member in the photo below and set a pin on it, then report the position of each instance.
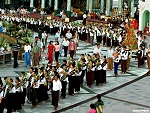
(1, 99)
(10, 96)
(34, 89)
(18, 91)
(124, 57)
(71, 79)
(104, 68)
(90, 73)
(139, 56)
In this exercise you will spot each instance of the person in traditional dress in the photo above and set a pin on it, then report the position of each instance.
(139, 56)
(103, 63)
(90, 73)
(50, 53)
(35, 55)
(129, 52)
(1, 99)
(18, 92)
(148, 57)
(34, 89)
(72, 47)
(110, 58)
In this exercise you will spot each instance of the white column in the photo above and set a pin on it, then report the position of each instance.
(120, 7)
(108, 6)
(102, 6)
(140, 21)
(68, 5)
(90, 5)
(87, 5)
(55, 4)
(31, 3)
(43, 4)
(132, 8)
(50, 3)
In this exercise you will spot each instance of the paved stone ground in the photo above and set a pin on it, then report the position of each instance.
(115, 102)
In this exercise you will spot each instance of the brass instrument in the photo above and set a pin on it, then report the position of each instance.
(68, 74)
(104, 63)
(3, 89)
(23, 82)
(10, 87)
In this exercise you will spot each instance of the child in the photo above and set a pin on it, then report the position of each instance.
(92, 110)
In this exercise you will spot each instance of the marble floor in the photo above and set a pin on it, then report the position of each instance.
(122, 94)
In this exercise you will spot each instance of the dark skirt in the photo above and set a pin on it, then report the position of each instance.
(72, 83)
(17, 102)
(2, 106)
(90, 78)
(10, 102)
(77, 85)
(42, 93)
(103, 76)
(98, 77)
(23, 96)
(55, 98)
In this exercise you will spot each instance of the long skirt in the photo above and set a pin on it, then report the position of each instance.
(98, 77)
(72, 83)
(128, 63)
(9, 102)
(148, 62)
(55, 97)
(35, 59)
(103, 76)
(2, 106)
(23, 96)
(110, 63)
(77, 85)
(139, 60)
(88, 37)
(17, 102)
(124, 65)
(90, 78)
(50, 57)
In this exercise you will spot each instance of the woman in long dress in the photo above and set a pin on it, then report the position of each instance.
(51, 48)
(90, 73)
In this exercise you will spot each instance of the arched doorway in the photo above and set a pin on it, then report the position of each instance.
(145, 19)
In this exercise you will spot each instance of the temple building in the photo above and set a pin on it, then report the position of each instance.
(108, 7)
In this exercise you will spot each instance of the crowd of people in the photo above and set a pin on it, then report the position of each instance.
(56, 76)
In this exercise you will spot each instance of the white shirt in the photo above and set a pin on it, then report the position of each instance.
(109, 53)
(65, 43)
(69, 35)
(44, 35)
(84, 16)
(124, 54)
(97, 50)
(57, 85)
(27, 48)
